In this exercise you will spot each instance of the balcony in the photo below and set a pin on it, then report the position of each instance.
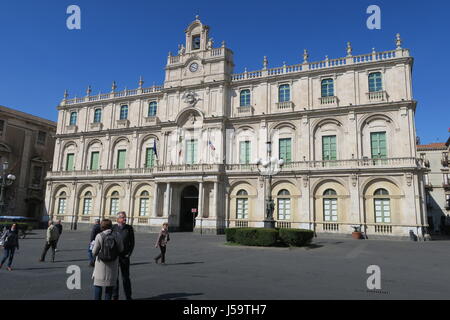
(196, 169)
(378, 96)
(96, 126)
(285, 106)
(328, 101)
(445, 161)
(245, 111)
(72, 128)
(151, 120)
(125, 123)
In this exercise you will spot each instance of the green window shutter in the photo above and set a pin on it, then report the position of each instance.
(121, 155)
(191, 151)
(69, 162)
(378, 145)
(329, 148)
(244, 154)
(94, 160)
(149, 157)
(285, 149)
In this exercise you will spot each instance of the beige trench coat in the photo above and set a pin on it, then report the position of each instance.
(105, 273)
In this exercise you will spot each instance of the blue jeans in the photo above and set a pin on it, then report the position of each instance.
(98, 293)
(90, 255)
(8, 252)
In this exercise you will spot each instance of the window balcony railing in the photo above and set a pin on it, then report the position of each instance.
(72, 128)
(382, 228)
(445, 161)
(332, 100)
(152, 120)
(124, 123)
(286, 106)
(283, 224)
(377, 96)
(247, 110)
(330, 227)
(96, 125)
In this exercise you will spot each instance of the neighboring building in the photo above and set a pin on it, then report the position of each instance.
(186, 150)
(437, 184)
(27, 144)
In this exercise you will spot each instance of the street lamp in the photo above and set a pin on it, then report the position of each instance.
(6, 180)
(270, 167)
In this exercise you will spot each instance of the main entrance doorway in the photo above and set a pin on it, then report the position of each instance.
(188, 208)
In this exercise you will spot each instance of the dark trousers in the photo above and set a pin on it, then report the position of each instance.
(8, 252)
(98, 293)
(47, 246)
(124, 264)
(162, 255)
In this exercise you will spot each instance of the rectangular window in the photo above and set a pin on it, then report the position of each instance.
(284, 209)
(149, 157)
(284, 93)
(2, 126)
(330, 210)
(285, 152)
(87, 206)
(143, 207)
(375, 82)
(244, 154)
(382, 211)
(378, 145)
(41, 137)
(37, 176)
(94, 160)
(191, 151)
(195, 42)
(121, 157)
(329, 148)
(114, 206)
(69, 162)
(242, 208)
(62, 206)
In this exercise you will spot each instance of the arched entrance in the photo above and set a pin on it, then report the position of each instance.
(188, 208)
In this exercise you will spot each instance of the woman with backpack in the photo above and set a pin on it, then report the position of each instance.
(107, 247)
(10, 241)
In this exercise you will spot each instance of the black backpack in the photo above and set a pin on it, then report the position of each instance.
(109, 251)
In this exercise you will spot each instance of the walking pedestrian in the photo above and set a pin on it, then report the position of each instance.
(107, 247)
(127, 233)
(96, 229)
(161, 242)
(59, 227)
(51, 241)
(10, 240)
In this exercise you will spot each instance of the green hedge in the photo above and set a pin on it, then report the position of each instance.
(269, 237)
(296, 237)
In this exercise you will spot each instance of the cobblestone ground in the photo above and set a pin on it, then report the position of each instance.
(203, 267)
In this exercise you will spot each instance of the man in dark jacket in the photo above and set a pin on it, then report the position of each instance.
(58, 227)
(95, 230)
(127, 233)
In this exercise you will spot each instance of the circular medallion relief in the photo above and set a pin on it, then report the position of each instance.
(193, 67)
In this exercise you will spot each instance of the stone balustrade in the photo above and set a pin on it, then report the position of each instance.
(325, 64)
(380, 96)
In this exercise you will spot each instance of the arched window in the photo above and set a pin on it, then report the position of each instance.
(124, 112)
(327, 88)
(242, 204)
(284, 205)
(144, 202)
(330, 211)
(62, 201)
(152, 108)
(114, 208)
(97, 115)
(87, 203)
(382, 206)
(73, 118)
(375, 82)
(284, 93)
(245, 98)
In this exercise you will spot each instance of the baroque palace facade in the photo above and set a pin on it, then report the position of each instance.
(185, 152)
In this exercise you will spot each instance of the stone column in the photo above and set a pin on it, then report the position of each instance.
(200, 200)
(155, 201)
(167, 201)
(214, 213)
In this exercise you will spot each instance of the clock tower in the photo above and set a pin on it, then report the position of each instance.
(198, 61)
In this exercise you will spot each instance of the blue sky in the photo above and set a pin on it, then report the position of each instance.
(122, 40)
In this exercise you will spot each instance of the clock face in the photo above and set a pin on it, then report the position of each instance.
(193, 67)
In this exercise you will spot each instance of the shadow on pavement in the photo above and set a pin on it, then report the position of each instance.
(69, 250)
(313, 246)
(75, 260)
(172, 296)
(42, 268)
(181, 263)
(138, 263)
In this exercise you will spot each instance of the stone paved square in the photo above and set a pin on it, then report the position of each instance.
(203, 267)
